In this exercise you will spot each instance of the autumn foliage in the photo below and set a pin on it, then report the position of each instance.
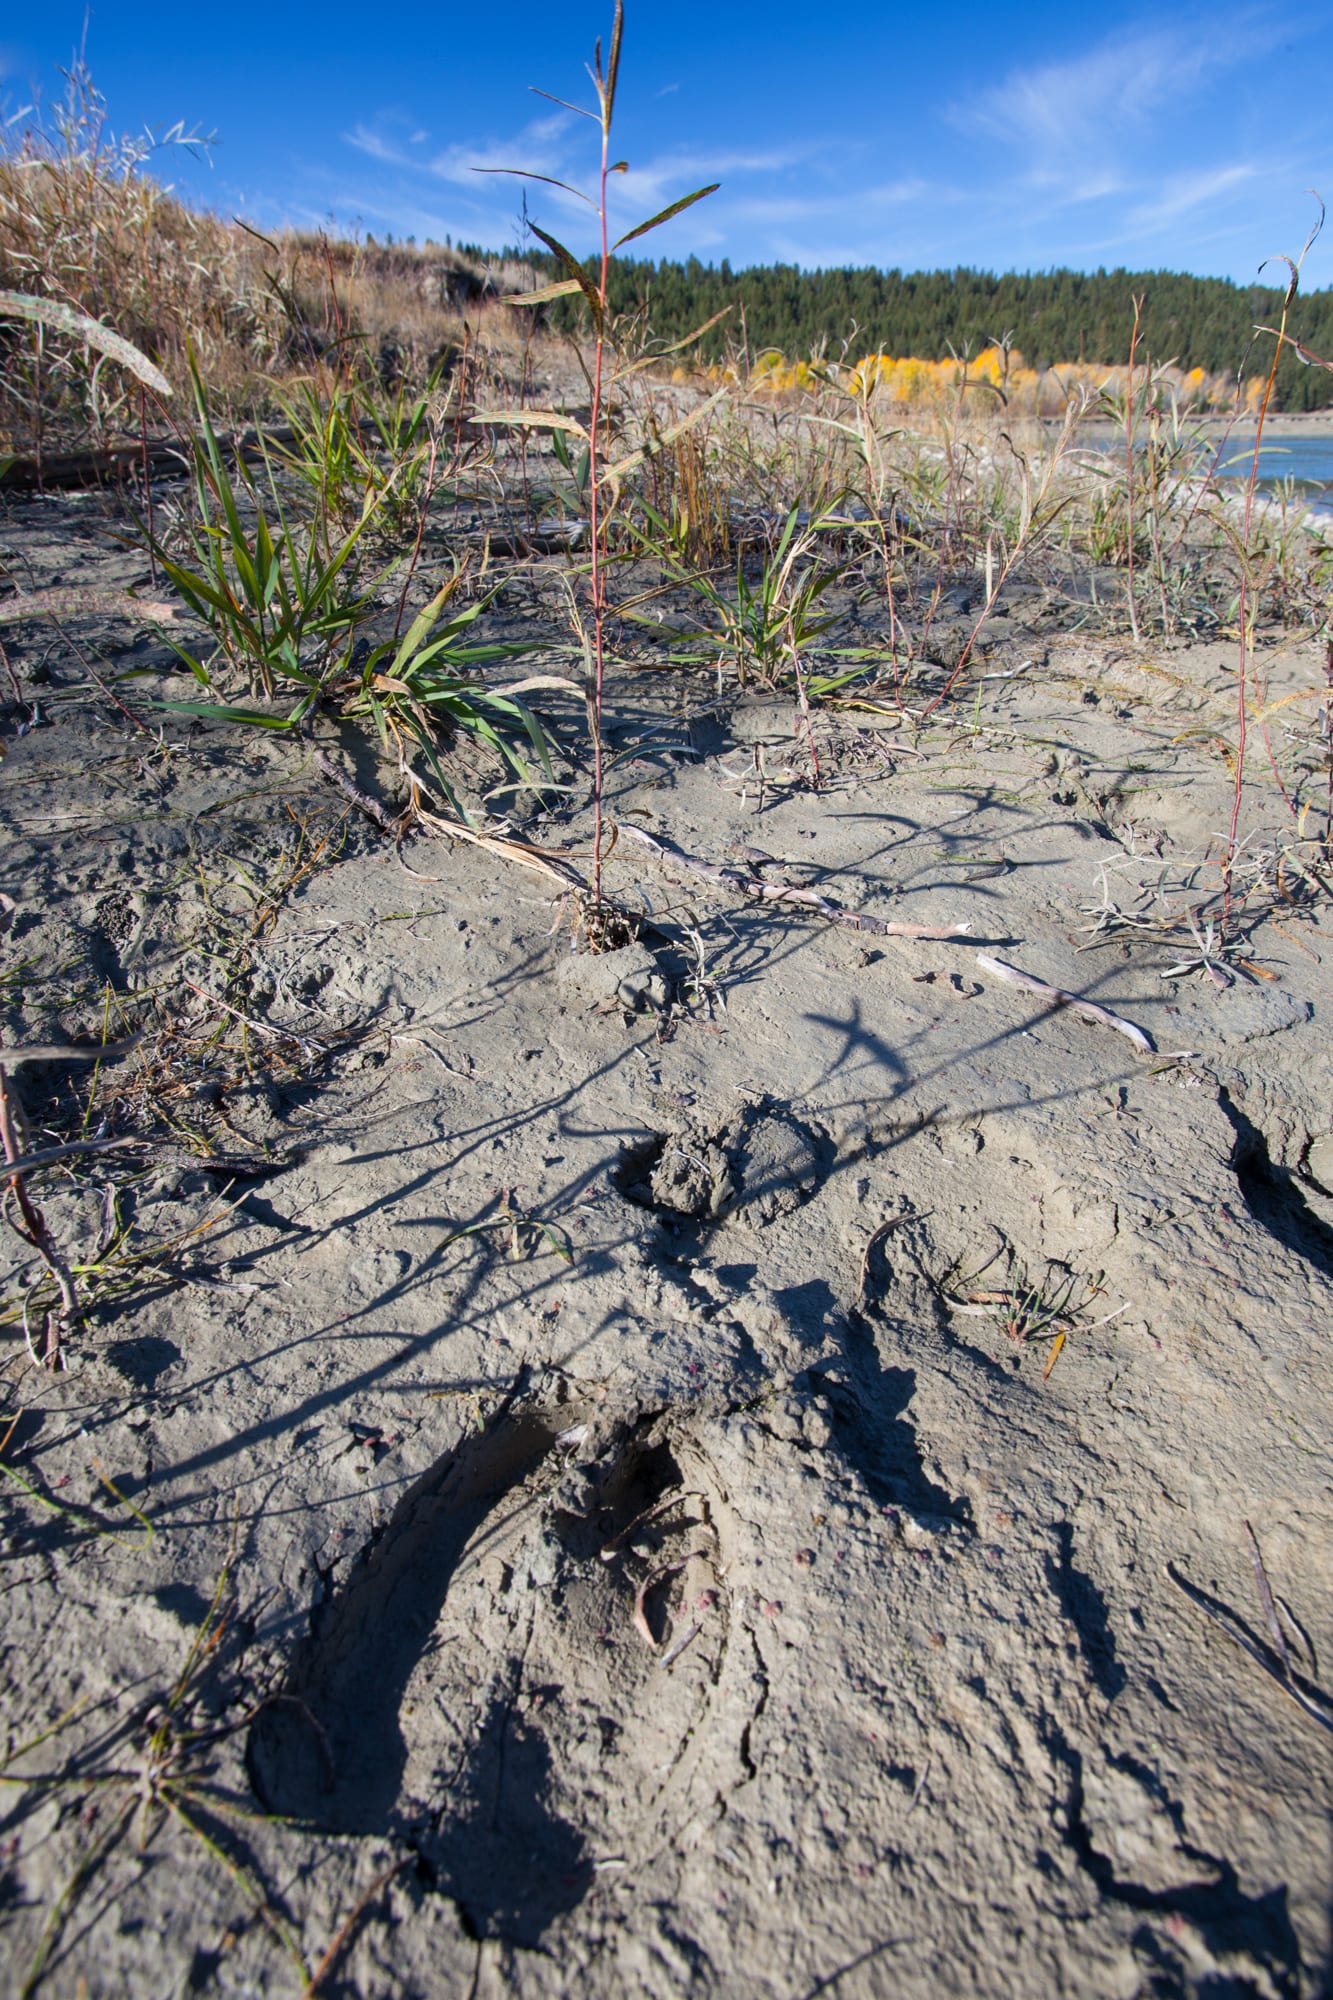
(996, 374)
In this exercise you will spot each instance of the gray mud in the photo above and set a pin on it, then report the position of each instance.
(642, 1530)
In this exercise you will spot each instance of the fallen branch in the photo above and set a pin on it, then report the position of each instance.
(759, 889)
(68, 1052)
(53, 470)
(48, 1156)
(383, 818)
(27, 604)
(1055, 996)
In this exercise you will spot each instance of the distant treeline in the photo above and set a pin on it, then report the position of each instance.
(1053, 316)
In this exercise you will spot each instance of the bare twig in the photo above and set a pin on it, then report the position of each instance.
(610, 1549)
(677, 1646)
(344, 1933)
(384, 820)
(33, 1226)
(48, 1156)
(1055, 996)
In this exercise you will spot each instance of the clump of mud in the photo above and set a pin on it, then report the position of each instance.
(761, 1163)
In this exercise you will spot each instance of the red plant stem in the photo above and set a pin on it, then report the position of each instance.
(98, 682)
(1328, 747)
(595, 529)
(1129, 466)
(997, 585)
(34, 1226)
(1243, 608)
(804, 704)
(462, 392)
(147, 488)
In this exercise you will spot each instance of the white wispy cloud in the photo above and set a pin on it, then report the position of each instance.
(376, 146)
(842, 207)
(1084, 110)
(1182, 194)
(535, 148)
(489, 173)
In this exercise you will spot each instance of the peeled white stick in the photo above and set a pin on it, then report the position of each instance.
(1055, 996)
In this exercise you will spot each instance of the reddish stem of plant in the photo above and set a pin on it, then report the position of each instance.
(595, 528)
(1243, 609)
(1129, 466)
(33, 1227)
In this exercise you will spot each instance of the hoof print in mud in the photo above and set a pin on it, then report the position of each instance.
(762, 1163)
(518, 1678)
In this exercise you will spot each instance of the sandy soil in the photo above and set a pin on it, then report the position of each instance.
(643, 1558)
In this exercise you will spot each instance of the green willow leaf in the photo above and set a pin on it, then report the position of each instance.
(654, 222)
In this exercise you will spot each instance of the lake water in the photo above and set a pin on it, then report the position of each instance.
(1306, 460)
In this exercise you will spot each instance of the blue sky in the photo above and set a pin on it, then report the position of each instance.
(1005, 138)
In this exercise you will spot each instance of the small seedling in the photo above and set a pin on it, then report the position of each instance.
(1048, 1308)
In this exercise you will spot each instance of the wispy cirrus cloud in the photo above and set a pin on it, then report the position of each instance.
(841, 206)
(1089, 151)
(1081, 112)
(1185, 194)
(488, 173)
(376, 146)
(537, 148)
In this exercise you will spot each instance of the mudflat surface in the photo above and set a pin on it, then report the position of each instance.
(684, 1445)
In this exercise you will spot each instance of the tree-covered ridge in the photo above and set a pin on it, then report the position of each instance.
(1054, 317)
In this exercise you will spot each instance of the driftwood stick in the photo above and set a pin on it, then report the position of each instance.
(363, 801)
(23, 605)
(47, 1156)
(67, 1052)
(1055, 996)
(759, 889)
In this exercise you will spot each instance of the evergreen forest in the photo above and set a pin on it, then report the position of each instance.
(1051, 316)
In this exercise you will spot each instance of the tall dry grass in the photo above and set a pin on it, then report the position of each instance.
(87, 219)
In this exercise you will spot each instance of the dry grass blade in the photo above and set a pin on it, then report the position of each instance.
(50, 312)
(1271, 1619)
(1314, 1703)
